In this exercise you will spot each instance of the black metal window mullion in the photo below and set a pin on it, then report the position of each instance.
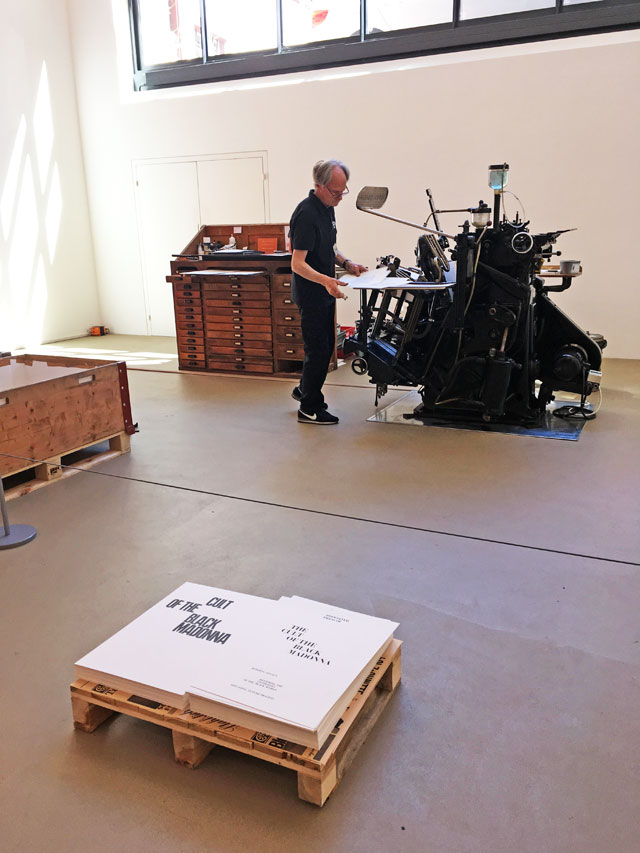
(455, 13)
(280, 35)
(134, 21)
(203, 32)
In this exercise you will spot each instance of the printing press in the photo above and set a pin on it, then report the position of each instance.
(472, 324)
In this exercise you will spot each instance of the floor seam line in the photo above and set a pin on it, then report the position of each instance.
(361, 519)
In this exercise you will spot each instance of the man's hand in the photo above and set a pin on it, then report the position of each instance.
(333, 285)
(354, 269)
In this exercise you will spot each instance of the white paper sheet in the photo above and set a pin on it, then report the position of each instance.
(179, 640)
(369, 279)
(305, 659)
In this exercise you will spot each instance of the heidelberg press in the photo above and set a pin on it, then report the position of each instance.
(472, 325)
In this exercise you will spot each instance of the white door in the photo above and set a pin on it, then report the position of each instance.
(174, 198)
(168, 217)
(232, 191)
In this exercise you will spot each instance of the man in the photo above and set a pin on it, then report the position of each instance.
(314, 286)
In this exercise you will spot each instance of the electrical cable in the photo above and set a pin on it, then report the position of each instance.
(570, 412)
(475, 267)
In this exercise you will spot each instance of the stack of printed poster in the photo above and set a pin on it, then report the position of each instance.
(288, 667)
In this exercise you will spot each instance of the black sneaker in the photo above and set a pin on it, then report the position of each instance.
(297, 396)
(321, 417)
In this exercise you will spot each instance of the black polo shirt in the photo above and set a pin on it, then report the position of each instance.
(313, 228)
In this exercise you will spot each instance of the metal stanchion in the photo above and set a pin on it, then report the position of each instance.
(13, 534)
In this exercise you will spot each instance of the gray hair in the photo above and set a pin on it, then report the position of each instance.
(323, 170)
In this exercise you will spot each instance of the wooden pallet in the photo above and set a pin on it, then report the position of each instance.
(52, 470)
(194, 735)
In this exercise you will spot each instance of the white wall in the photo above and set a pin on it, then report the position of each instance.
(48, 287)
(560, 113)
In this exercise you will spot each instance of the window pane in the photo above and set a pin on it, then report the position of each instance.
(386, 15)
(482, 8)
(241, 26)
(306, 21)
(169, 31)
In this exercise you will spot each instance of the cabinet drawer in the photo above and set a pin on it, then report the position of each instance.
(190, 350)
(245, 313)
(241, 364)
(188, 315)
(240, 301)
(190, 340)
(220, 324)
(292, 351)
(286, 317)
(198, 363)
(227, 277)
(186, 338)
(282, 300)
(211, 287)
(188, 301)
(214, 349)
(247, 334)
(188, 326)
(281, 283)
(289, 334)
(186, 288)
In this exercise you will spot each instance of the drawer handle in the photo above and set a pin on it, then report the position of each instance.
(238, 335)
(286, 284)
(233, 278)
(288, 318)
(238, 343)
(240, 359)
(236, 311)
(235, 286)
(287, 302)
(288, 334)
(240, 367)
(289, 350)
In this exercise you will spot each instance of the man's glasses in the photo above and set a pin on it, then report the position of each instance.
(335, 194)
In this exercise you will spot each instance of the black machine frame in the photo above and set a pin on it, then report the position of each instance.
(485, 342)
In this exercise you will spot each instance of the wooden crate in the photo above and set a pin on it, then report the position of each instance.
(194, 735)
(51, 406)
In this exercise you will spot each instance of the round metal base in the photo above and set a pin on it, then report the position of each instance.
(19, 534)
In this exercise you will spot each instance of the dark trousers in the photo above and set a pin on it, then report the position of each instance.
(318, 335)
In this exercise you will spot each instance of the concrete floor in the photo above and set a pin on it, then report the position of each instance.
(512, 564)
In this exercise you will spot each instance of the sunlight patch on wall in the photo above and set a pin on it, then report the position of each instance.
(22, 248)
(10, 186)
(43, 128)
(31, 204)
(53, 215)
(34, 319)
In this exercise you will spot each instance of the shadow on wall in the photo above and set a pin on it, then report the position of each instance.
(30, 215)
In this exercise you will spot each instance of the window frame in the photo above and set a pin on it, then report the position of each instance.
(558, 21)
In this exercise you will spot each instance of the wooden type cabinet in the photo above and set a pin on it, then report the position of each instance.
(234, 313)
